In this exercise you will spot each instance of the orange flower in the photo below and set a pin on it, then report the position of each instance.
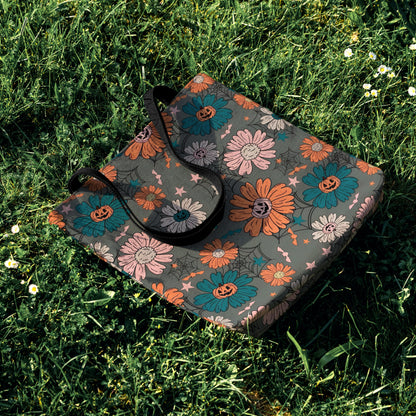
(245, 102)
(315, 149)
(264, 207)
(172, 295)
(149, 142)
(55, 218)
(95, 185)
(218, 255)
(200, 83)
(277, 275)
(367, 168)
(149, 197)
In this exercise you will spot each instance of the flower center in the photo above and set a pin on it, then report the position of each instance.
(329, 184)
(218, 253)
(200, 153)
(279, 275)
(205, 113)
(250, 151)
(199, 79)
(262, 208)
(144, 135)
(317, 147)
(224, 291)
(182, 215)
(101, 213)
(329, 228)
(150, 197)
(145, 255)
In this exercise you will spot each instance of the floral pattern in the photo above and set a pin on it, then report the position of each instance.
(292, 203)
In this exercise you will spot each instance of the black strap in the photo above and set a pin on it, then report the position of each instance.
(166, 95)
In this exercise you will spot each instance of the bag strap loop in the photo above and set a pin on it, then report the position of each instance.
(166, 95)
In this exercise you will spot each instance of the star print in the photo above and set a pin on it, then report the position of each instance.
(306, 241)
(273, 294)
(174, 110)
(282, 136)
(187, 286)
(293, 181)
(66, 209)
(195, 178)
(258, 261)
(180, 191)
(326, 251)
(134, 183)
(310, 266)
(372, 183)
(298, 220)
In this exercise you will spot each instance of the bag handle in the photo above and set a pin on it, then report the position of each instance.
(166, 95)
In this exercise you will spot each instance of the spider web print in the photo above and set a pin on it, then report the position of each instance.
(341, 159)
(289, 161)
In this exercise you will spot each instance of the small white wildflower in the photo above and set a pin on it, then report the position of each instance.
(367, 86)
(348, 53)
(391, 74)
(374, 93)
(372, 56)
(367, 94)
(412, 91)
(15, 229)
(33, 289)
(22, 282)
(11, 264)
(382, 69)
(412, 47)
(5, 235)
(376, 75)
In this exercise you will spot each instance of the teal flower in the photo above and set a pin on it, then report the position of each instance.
(100, 215)
(329, 185)
(206, 114)
(225, 291)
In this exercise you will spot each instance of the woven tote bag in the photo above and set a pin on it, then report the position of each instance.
(220, 206)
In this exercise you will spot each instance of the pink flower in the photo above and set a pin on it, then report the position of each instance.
(246, 149)
(365, 208)
(141, 251)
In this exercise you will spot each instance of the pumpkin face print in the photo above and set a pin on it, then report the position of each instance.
(329, 228)
(225, 290)
(329, 184)
(205, 113)
(262, 208)
(102, 213)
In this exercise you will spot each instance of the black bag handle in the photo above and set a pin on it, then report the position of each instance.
(166, 95)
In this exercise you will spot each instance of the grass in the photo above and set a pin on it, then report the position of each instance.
(72, 74)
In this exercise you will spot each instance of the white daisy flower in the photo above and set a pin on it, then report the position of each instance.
(382, 69)
(182, 216)
(367, 94)
(391, 74)
(11, 264)
(412, 91)
(348, 53)
(374, 93)
(412, 47)
(329, 228)
(33, 289)
(372, 56)
(103, 251)
(273, 121)
(15, 229)
(367, 86)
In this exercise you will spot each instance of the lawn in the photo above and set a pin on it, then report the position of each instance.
(80, 338)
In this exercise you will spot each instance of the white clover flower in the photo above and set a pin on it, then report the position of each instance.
(374, 93)
(412, 91)
(11, 264)
(372, 56)
(15, 229)
(412, 47)
(367, 86)
(33, 289)
(348, 53)
(382, 69)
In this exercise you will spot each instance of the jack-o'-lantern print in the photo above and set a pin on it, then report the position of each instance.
(99, 215)
(223, 291)
(329, 185)
(329, 228)
(206, 114)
